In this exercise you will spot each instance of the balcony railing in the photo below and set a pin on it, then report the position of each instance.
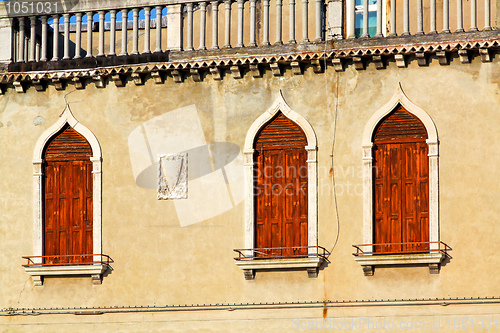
(282, 253)
(400, 248)
(68, 260)
(93, 29)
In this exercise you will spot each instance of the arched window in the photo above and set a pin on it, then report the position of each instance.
(67, 203)
(281, 204)
(400, 184)
(280, 190)
(400, 189)
(67, 197)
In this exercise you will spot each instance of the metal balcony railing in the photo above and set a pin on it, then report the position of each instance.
(282, 252)
(68, 260)
(401, 248)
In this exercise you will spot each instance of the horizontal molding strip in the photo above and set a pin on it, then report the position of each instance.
(319, 59)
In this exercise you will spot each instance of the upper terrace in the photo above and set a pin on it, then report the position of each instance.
(71, 38)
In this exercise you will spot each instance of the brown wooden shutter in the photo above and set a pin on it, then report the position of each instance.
(280, 133)
(400, 125)
(67, 145)
(401, 184)
(281, 188)
(68, 197)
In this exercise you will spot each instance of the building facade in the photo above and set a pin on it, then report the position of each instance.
(249, 166)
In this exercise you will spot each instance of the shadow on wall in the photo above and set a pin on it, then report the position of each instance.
(215, 170)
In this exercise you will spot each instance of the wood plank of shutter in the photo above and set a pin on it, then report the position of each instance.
(280, 133)
(67, 145)
(400, 125)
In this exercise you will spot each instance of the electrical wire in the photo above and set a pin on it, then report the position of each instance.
(494, 300)
(334, 189)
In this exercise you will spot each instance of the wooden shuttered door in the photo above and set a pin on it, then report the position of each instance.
(280, 189)
(68, 198)
(401, 184)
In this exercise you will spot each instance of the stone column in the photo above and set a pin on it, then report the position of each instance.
(365, 19)
(393, 18)
(241, 8)
(473, 16)
(215, 24)
(305, 21)
(319, 20)
(487, 15)
(124, 31)
(350, 19)
(112, 33)
(265, 37)
(158, 28)
(203, 25)
(433, 29)
(135, 31)
(32, 52)
(227, 21)
(252, 23)
(189, 45)
(291, 5)
(66, 36)
(45, 27)
(406, 18)
(55, 49)
(78, 43)
(446, 16)
(279, 22)
(147, 29)
(101, 33)
(90, 23)
(420, 17)
(22, 37)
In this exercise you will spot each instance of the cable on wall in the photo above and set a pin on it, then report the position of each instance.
(494, 300)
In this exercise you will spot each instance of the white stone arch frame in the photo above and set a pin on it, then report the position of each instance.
(311, 148)
(67, 118)
(432, 142)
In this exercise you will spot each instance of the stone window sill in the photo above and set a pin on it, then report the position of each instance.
(38, 272)
(250, 266)
(368, 262)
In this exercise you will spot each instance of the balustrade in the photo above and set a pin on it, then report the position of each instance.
(415, 17)
(185, 25)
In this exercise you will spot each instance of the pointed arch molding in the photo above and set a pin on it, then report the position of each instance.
(66, 118)
(38, 237)
(280, 105)
(399, 98)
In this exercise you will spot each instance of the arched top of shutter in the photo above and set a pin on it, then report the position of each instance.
(400, 125)
(67, 145)
(280, 133)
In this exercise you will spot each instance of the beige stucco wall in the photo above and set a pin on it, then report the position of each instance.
(158, 262)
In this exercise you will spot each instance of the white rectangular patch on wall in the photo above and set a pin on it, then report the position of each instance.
(173, 176)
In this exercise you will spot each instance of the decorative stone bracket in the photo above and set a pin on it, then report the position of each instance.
(277, 60)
